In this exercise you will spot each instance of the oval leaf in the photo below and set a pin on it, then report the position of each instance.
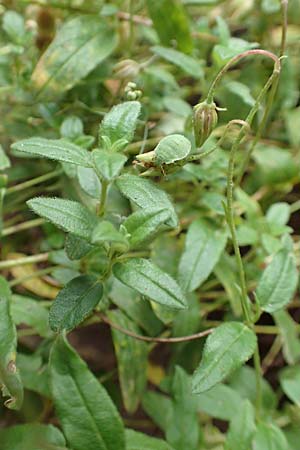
(88, 416)
(108, 165)
(75, 302)
(226, 349)
(120, 122)
(149, 280)
(68, 215)
(79, 46)
(57, 149)
(171, 149)
(290, 383)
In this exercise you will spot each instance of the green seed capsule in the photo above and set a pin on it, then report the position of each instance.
(205, 119)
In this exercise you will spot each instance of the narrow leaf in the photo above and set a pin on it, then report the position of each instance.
(68, 215)
(185, 62)
(88, 416)
(75, 302)
(226, 349)
(57, 149)
(9, 374)
(149, 280)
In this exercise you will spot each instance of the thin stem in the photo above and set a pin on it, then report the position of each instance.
(155, 339)
(22, 226)
(33, 181)
(104, 188)
(23, 261)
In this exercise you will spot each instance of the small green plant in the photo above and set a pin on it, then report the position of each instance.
(127, 205)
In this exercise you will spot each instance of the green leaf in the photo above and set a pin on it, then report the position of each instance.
(269, 437)
(143, 225)
(32, 436)
(121, 121)
(149, 280)
(288, 330)
(146, 194)
(4, 160)
(9, 374)
(14, 25)
(158, 407)
(132, 376)
(68, 215)
(75, 302)
(105, 232)
(57, 149)
(79, 46)
(71, 128)
(241, 428)
(220, 402)
(172, 148)
(88, 416)
(186, 63)
(89, 181)
(171, 23)
(108, 165)
(76, 247)
(290, 383)
(278, 282)
(203, 248)
(275, 165)
(140, 441)
(226, 348)
(25, 310)
(226, 272)
(34, 373)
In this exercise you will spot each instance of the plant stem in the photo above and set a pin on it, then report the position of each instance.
(258, 374)
(22, 226)
(23, 261)
(33, 181)
(104, 188)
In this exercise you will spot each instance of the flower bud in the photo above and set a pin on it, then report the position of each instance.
(205, 119)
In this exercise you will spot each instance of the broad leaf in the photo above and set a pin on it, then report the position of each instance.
(33, 437)
(149, 280)
(269, 437)
(143, 225)
(88, 416)
(171, 149)
(68, 215)
(278, 283)
(9, 374)
(186, 63)
(204, 245)
(79, 46)
(241, 428)
(75, 302)
(132, 376)
(226, 349)
(140, 441)
(290, 383)
(171, 23)
(57, 149)
(220, 402)
(120, 122)
(145, 194)
(107, 164)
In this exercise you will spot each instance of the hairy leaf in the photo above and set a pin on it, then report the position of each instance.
(120, 122)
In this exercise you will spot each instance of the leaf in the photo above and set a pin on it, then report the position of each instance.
(132, 376)
(186, 63)
(158, 407)
(140, 441)
(288, 330)
(57, 149)
(88, 417)
(25, 310)
(32, 436)
(9, 374)
(4, 160)
(226, 348)
(34, 373)
(290, 383)
(149, 280)
(241, 428)
(269, 437)
(278, 282)
(76, 247)
(108, 165)
(78, 47)
(226, 272)
(89, 181)
(143, 225)
(120, 122)
(75, 302)
(203, 248)
(172, 148)
(105, 232)
(275, 165)
(171, 23)
(145, 194)
(220, 402)
(68, 215)
(14, 25)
